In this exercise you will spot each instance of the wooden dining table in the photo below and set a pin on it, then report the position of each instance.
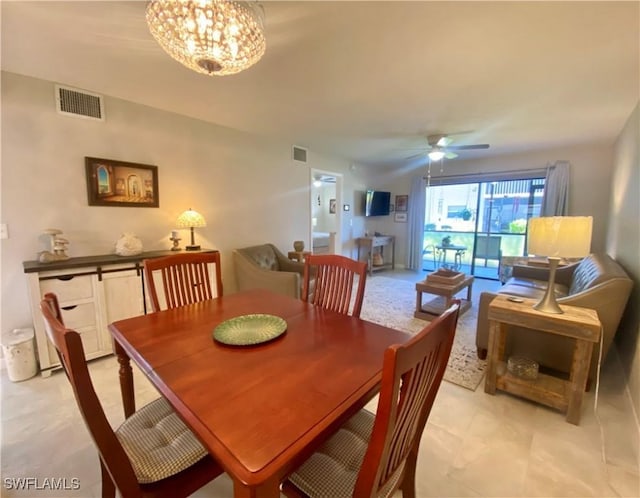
(260, 410)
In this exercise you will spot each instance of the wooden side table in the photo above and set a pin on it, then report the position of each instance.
(298, 256)
(378, 243)
(428, 311)
(581, 324)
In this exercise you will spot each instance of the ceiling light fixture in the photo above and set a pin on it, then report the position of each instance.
(214, 37)
(436, 155)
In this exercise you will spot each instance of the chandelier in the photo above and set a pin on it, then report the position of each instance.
(214, 37)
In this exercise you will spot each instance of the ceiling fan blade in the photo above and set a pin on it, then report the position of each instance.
(450, 155)
(468, 147)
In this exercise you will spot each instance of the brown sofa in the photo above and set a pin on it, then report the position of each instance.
(265, 267)
(597, 282)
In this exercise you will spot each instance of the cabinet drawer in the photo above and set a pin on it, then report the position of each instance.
(78, 316)
(68, 288)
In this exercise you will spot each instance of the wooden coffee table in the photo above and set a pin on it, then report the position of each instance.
(445, 295)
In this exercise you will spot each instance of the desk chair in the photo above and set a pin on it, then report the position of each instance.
(333, 277)
(183, 278)
(153, 453)
(374, 455)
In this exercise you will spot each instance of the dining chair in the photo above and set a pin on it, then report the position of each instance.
(328, 282)
(375, 455)
(153, 453)
(183, 279)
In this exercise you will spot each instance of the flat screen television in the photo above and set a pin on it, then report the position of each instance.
(376, 203)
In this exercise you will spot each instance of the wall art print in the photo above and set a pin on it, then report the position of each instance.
(120, 183)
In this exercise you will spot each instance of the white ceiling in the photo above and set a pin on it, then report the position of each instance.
(367, 81)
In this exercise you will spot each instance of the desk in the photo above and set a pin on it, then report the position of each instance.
(379, 242)
(259, 410)
(441, 255)
(581, 324)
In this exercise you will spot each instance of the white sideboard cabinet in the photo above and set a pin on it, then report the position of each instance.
(93, 291)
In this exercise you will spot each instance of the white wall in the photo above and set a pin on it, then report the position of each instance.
(623, 244)
(591, 166)
(247, 187)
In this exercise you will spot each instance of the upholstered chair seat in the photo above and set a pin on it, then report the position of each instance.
(158, 443)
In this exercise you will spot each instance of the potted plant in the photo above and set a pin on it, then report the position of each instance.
(446, 241)
(465, 214)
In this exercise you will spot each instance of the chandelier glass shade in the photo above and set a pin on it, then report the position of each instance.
(214, 37)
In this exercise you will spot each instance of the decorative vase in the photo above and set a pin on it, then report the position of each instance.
(128, 245)
(298, 245)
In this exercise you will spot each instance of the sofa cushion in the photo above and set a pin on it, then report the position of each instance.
(263, 256)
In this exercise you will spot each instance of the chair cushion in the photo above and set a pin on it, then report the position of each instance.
(332, 471)
(158, 443)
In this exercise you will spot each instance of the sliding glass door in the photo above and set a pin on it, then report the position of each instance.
(470, 226)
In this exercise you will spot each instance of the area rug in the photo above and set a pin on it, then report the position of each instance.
(391, 302)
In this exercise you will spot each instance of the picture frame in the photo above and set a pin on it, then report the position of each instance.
(401, 203)
(400, 217)
(332, 206)
(121, 183)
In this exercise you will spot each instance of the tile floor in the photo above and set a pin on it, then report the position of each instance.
(474, 444)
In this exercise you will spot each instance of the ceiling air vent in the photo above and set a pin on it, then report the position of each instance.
(300, 154)
(79, 103)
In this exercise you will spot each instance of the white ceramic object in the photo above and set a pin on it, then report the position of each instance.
(128, 245)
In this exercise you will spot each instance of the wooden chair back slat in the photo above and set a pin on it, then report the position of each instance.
(329, 283)
(185, 279)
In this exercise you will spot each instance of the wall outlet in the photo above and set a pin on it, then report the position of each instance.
(4, 231)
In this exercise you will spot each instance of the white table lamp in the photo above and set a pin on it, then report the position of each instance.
(191, 219)
(558, 237)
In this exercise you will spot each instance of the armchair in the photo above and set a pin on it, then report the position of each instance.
(265, 267)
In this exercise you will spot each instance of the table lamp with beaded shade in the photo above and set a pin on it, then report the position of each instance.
(191, 219)
(558, 237)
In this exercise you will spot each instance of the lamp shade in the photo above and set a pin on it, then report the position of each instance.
(191, 219)
(560, 236)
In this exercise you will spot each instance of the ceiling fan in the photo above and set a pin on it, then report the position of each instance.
(439, 146)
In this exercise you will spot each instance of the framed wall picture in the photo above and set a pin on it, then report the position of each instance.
(400, 217)
(332, 206)
(119, 183)
(401, 203)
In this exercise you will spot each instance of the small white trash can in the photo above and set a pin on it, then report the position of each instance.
(19, 354)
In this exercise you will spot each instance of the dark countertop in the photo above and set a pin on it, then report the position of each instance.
(103, 259)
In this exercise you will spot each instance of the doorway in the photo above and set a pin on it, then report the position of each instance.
(326, 212)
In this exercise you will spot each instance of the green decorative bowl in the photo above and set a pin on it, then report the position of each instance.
(247, 330)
